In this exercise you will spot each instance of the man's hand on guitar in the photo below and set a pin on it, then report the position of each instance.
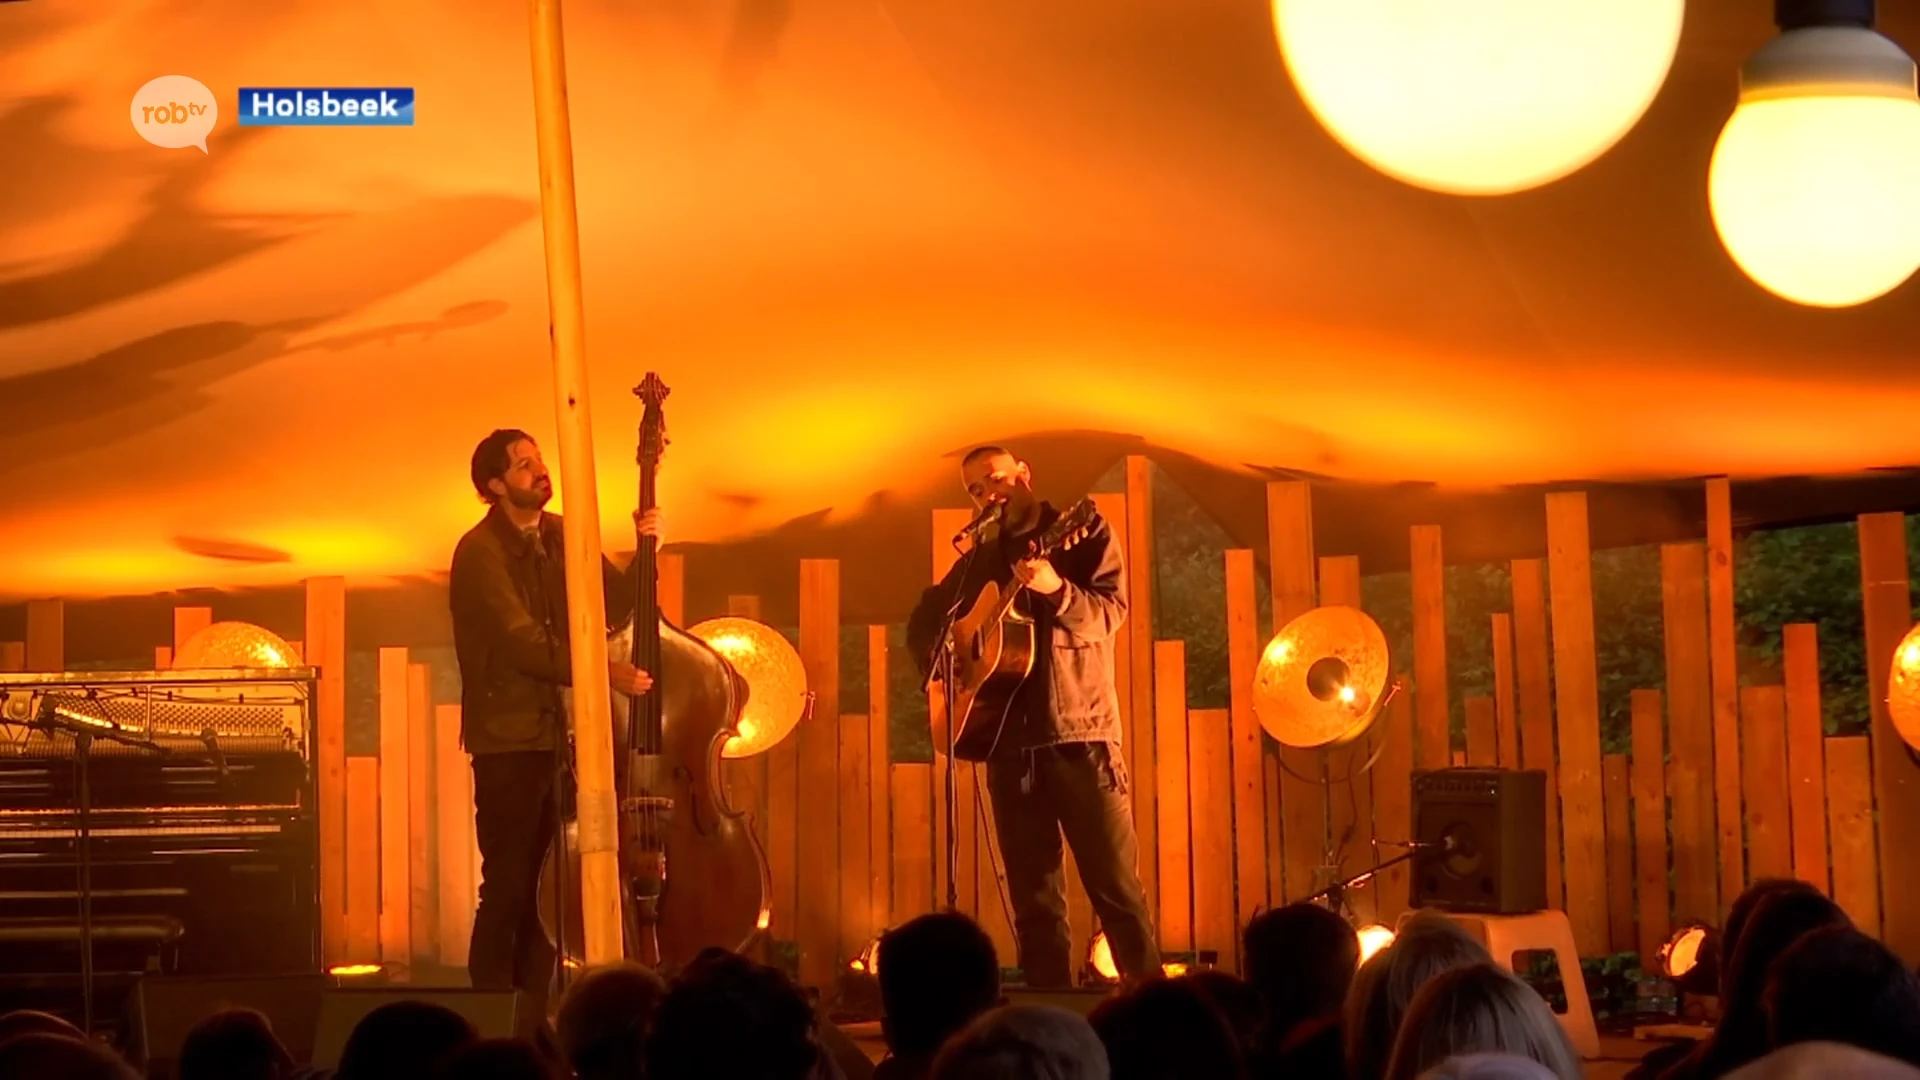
(648, 524)
(627, 679)
(1038, 575)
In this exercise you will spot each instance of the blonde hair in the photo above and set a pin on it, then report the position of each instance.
(1479, 1009)
(1428, 944)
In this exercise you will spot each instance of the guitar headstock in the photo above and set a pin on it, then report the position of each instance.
(1068, 529)
(652, 393)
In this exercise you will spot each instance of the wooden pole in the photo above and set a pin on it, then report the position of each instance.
(586, 606)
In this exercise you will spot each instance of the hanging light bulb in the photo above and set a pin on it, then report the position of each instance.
(1814, 179)
(1480, 98)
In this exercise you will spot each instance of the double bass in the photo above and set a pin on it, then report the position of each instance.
(692, 874)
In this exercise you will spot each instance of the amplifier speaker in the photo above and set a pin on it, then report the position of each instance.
(1490, 826)
(164, 1010)
(492, 1012)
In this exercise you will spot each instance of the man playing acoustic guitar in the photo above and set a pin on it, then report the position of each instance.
(1056, 767)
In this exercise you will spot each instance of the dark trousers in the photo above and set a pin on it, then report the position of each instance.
(1078, 790)
(514, 810)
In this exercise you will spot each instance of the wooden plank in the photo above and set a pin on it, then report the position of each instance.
(453, 837)
(1290, 572)
(1393, 805)
(1433, 744)
(911, 784)
(744, 607)
(361, 943)
(46, 636)
(1506, 716)
(1690, 787)
(879, 783)
(1270, 775)
(299, 650)
(396, 886)
(1617, 789)
(326, 644)
(1350, 801)
(990, 874)
(423, 913)
(1576, 684)
(670, 570)
(188, 621)
(817, 778)
(1340, 580)
(13, 656)
(1887, 600)
(1806, 755)
(1763, 753)
(1176, 838)
(966, 821)
(1483, 739)
(1530, 649)
(1649, 782)
(857, 921)
(1139, 664)
(1251, 843)
(162, 657)
(1211, 773)
(1724, 668)
(945, 895)
(1856, 872)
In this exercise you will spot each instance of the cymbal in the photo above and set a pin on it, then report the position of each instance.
(1320, 679)
(1903, 689)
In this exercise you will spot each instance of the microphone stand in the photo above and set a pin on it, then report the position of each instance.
(943, 667)
(83, 735)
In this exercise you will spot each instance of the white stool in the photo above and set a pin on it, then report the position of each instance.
(1542, 931)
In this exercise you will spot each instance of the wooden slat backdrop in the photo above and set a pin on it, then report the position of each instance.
(1649, 784)
(13, 656)
(1577, 705)
(1433, 740)
(1856, 877)
(817, 780)
(1393, 806)
(1290, 574)
(1175, 798)
(670, 574)
(396, 887)
(1252, 845)
(879, 784)
(1531, 664)
(913, 855)
(363, 861)
(188, 621)
(1214, 926)
(1483, 740)
(1806, 752)
(326, 649)
(162, 657)
(1887, 599)
(1351, 796)
(423, 902)
(855, 796)
(453, 837)
(46, 636)
(1763, 754)
(1270, 775)
(1505, 707)
(1690, 786)
(1618, 791)
(1138, 691)
(1724, 665)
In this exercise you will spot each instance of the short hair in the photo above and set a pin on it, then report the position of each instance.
(1742, 909)
(235, 1044)
(43, 1054)
(603, 1021)
(1428, 944)
(1301, 958)
(1479, 1009)
(979, 452)
(1023, 1042)
(937, 972)
(403, 1040)
(497, 1059)
(725, 1015)
(491, 459)
(1166, 1028)
(1839, 985)
(35, 1022)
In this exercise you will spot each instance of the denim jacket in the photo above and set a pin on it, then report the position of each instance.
(1080, 703)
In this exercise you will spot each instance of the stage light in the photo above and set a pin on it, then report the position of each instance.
(354, 971)
(776, 680)
(234, 645)
(1486, 98)
(1373, 938)
(1813, 178)
(868, 962)
(1903, 689)
(1100, 958)
(1319, 680)
(1691, 959)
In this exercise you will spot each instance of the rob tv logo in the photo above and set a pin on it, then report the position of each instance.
(326, 106)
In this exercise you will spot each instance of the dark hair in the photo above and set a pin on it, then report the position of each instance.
(34, 1022)
(1238, 1003)
(1778, 920)
(1839, 985)
(979, 452)
(1024, 1042)
(1428, 943)
(497, 1059)
(491, 460)
(403, 1040)
(1301, 958)
(1165, 1029)
(237, 1044)
(1479, 1009)
(603, 1020)
(725, 1015)
(937, 972)
(1742, 909)
(46, 1056)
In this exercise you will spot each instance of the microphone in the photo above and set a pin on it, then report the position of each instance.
(989, 514)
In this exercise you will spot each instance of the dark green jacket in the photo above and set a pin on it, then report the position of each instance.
(505, 592)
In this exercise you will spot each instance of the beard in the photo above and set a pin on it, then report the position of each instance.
(530, 498)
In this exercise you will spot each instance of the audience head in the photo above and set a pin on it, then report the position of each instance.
(603, 1021)
(1167, 1028)
(1774, 924)
(1742, 909)
(1839, 985)
(34, 1022)
(1429, 944)
(44, 1056)
(1023, 1042)
(1488, 1067)
(1480, 1009)
(237, 1044)
(1237, 1002)
(725, 1015)
(936, 973)
(403, 1040)
(498, 1059)
(1301, 958)
(1825, 1061)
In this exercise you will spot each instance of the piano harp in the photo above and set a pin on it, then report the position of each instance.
(203, 847)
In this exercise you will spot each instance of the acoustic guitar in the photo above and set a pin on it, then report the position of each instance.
(994, 648)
